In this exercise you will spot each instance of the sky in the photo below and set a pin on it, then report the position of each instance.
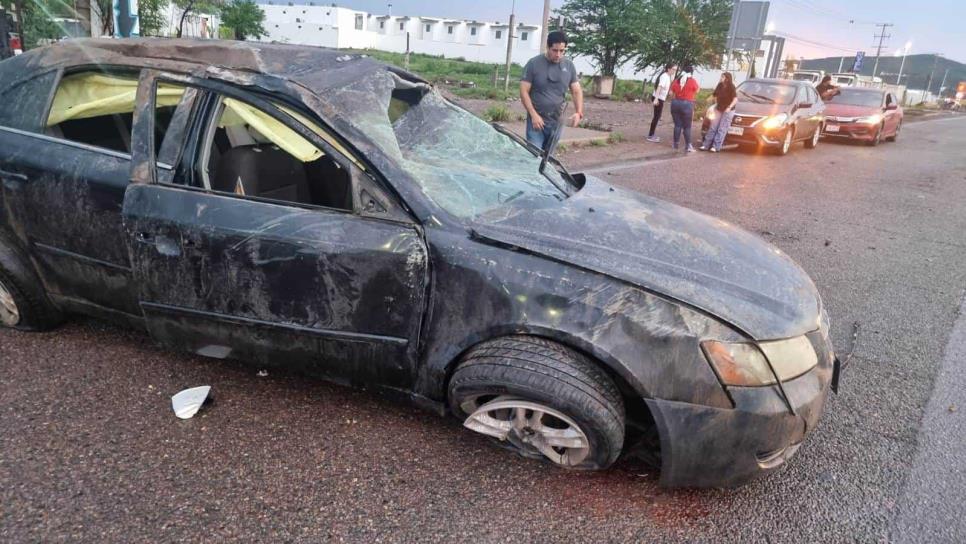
(812, 28)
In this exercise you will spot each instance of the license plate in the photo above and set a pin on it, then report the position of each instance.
(831, 128)
(737, 131)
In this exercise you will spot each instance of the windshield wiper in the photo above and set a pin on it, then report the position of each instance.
(763, 97)
(545, 156)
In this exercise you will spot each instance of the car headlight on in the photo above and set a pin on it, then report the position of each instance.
(744, 363)
(871, 120)
(774, 121)
(711, 114)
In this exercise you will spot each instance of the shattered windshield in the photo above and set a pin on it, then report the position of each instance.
(462, 163)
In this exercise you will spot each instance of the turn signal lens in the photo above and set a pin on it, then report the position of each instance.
(744, 364)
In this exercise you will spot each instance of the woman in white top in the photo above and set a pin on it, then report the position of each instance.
(660, 96)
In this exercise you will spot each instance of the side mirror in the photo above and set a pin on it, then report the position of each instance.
(892, 106)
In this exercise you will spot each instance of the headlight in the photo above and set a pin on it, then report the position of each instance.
(774, 121)
(744, 364)
(871, 120)
(711, 114)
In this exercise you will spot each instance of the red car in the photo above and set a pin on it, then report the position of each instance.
(867, 115)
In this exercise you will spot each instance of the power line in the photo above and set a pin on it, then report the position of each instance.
(806, 41)
(840, 16)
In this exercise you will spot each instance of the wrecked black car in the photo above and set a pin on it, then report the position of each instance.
(303, 207)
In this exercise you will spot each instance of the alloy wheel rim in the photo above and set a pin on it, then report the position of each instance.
(533, 429)
(9, 313)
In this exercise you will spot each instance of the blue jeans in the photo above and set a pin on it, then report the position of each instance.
(540, 138)
(682, 111)
(718, 130)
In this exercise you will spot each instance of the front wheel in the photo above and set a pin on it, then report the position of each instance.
(786, 144)
(877, 139)
(813, 142)
(23, 302)
(895, 137)
(542, 400)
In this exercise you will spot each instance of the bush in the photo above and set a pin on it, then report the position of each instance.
(497, 114)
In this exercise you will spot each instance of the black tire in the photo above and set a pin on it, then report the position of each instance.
(34, 309)
(895, 137)
(877, 139)
(812, 142)
(781, 150)
(545, 372)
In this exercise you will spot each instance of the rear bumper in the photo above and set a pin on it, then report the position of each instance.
(702, 446)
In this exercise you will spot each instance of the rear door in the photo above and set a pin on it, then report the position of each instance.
(263, 248)
(65, 170)
(891, 116)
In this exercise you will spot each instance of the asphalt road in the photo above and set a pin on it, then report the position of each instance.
(90, 450)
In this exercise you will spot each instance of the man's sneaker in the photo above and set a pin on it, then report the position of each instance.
(703, 148)
(690, 149)
(713, 150)
(654, 139)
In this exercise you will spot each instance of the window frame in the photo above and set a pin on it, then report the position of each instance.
(365, 181)
(108, 69)
(48, 102)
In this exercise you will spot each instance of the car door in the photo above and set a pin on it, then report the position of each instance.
(64, 177)
(891, 116)
(231, 266)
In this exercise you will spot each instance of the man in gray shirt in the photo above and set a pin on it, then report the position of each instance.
(543, 90)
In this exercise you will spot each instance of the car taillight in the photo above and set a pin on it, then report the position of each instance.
(15, 44)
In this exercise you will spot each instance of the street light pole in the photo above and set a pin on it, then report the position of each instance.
(902, 64)
(546, 26)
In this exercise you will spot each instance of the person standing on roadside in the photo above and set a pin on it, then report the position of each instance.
(685, 88)
(543, 90)
(661, 89)
(725, 98)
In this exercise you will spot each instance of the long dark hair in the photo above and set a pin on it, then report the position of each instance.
(729, 82)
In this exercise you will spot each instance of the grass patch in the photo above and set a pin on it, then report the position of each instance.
(598, 143)
(497, 114)
(461, 77)
(615, 138)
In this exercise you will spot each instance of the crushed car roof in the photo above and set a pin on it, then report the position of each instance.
(290, 62)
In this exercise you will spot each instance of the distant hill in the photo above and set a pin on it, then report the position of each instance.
(915, 73)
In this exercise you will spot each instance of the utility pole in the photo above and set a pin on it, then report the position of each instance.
(935, 60)
(882, 36)
(545, 25)
(943, 84)
(509, 46)
(18, 7)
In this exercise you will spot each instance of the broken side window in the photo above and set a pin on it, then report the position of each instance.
(251, 153)
(461, 162)
(97, 109)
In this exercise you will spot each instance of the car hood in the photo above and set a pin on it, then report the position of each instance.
(849, 110)
(750, 108)
(669, 250)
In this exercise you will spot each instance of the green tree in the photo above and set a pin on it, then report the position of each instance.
(38, 21)
(151, 17)
(245, 18)
(188, 7)
(608, 32)
(686, 32)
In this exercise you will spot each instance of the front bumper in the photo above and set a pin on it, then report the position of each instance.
(850, 131)
(702, 446)
(754, 135)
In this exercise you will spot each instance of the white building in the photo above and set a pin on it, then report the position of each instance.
(344, 28)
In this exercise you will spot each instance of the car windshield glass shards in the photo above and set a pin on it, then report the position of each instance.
(462, 163)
